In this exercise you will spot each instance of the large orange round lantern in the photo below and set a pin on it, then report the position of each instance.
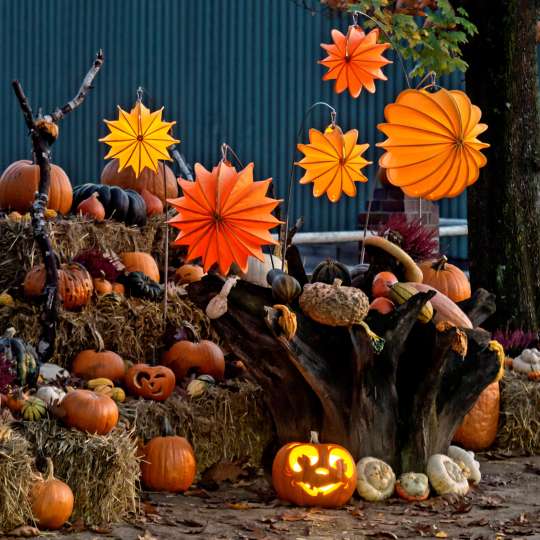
(432, 150)
(313, 474)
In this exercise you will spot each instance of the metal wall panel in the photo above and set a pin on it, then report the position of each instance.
(240, 71)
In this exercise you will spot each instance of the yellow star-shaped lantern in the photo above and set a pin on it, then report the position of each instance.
(139, 139)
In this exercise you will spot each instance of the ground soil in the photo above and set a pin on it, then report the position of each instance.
(506, 505)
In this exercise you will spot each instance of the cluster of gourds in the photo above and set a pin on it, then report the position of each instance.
(314, 474)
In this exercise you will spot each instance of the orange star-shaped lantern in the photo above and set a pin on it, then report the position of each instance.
(355, 60)
(333, 162)
(224, 216)
(139, 139)
(432, 150)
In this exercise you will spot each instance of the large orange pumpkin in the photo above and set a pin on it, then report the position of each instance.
(446, 278)
(479, 428)
(20, 181)
(148, 179)
(90, 364)
(75, 285)
(205, 357)
(168, 463)
(313, 474)
(138, 261)
(87, 411)
(52, 500)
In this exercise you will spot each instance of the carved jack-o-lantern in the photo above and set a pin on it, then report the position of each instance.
(313, 474)
(150, 382)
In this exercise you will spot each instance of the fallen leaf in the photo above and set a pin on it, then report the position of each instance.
(441, 534)
(239, 506)
(77, 526)
(100, 530)
(201, 493)
(149, 508)
(24, 531)
(293, 515)
(224, 471)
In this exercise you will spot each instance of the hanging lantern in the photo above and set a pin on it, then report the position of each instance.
(355, 60)
(139, 139)
(432, 150)
(333, 162)
(224, 216)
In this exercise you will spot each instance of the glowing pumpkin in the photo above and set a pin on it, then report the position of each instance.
(313, 474)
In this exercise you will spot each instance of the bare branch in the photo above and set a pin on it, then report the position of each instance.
(23, 102)
(85, 88)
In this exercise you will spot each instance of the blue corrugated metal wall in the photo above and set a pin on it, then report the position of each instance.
(240, 71)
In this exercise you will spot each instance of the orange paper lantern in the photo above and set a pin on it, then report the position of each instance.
(224, 216)
(432, 150)
(355, 60)
(333, 162)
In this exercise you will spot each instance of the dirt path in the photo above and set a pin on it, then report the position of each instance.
(505, 505)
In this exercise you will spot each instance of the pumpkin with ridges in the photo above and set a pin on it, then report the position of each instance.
(138, 261)
(90, 364)
(329, 270)
(21, 356)
(446, 278)
(205, 357)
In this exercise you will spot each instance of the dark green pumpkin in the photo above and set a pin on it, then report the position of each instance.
(330, 270)
(272, 274)
(22, 357)
(140, 285)
(136, 209)
(285, 288)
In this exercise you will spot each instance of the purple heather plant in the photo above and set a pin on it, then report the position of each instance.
(7, 373)
(515, 341)
(100, 264)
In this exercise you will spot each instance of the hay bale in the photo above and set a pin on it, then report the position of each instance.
(131, 327)
(102, 470)
(16, 479)
(69, 237)
(225, 424)
(520, 415)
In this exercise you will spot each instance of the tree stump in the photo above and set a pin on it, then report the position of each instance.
(401, 405)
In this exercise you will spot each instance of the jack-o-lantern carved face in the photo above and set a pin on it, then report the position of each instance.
(312, 474)
(150, 382)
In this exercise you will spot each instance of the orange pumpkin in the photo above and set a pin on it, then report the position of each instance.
(15, 401)
(148, 179)
(188, 273)
(446, 278)
(168, 463)
(20, 181)
(90, 364)
(138, 261)
(382, 305)
(52, 500)
(102, 286)
(92, 208)
(154, 206)
(205, 357)
(150, 382)
(75, 284)
(118, 288)
(479, 428)
(382, 283)
(87, 411)
(313, 474)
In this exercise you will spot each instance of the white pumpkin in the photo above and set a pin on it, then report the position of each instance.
(51, 372)
(528, 361)
(376, 479)
(257, 270)
(446, 476)
(50, 395)
(467, 463)
(413, 486)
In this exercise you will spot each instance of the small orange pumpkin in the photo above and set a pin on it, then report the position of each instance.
(92, 208)
(138, 261)
(205, 357)
(314, 474)
(382, 283)
(154, 206)
(168, 462)
(150, 382)
(102, 286)
(188, 273)
(446, 278)
(90, 364)
(87, 411)
(479, 427)
(382, 305)
(52, 500)
(118, 288)
(15, 401)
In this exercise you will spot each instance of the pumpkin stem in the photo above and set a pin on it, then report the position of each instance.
(49, 471)
(440, 264)
(314, 437)
(376, 342)
(196, 338)
(337, 282)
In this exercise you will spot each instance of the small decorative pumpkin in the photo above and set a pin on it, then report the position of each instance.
(257, 270)
(92, 384)
(34, 409)
(527, 362)
(168, 462)
(467, 463)
(287, 320)
(217, 307)
(22, 357)
(205, 357)
(478, 430)
(92, 364)
(102, 286)
(314, 474)
(412, 487)
(20, 181)
(92, 208)
(382, 305)
(446, 278)
(382, 283)
(376, 479)
(49, 373)
(87, 411)
(50, 395)
(138, 261)
(401, 292)
(150, 382)
(154, 206)
(285, 288)
(139, 285)
(329, 270)
(446, 476)
(52, 500)
(118, 288)
(118, 395)
(15, 401)
(188, 273)
(197, 387)
(7, 300)
(75, 284)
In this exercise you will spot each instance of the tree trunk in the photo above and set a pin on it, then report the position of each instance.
(503, 206)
